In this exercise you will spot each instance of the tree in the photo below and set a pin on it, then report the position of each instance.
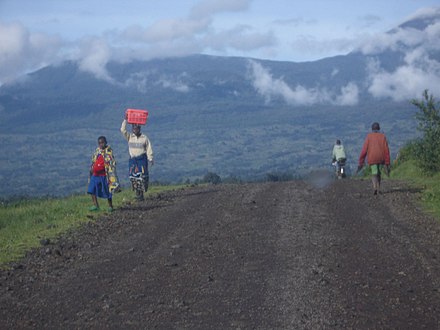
(211, 177)
(427, 149)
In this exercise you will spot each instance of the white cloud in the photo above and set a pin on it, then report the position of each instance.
(433, 35)
(174, 84)
(178, 37)
(138, 80)
(405, 36)
(349, 95)
(21, 51)
(398, 39)
(269, 87)
(178, 41)
(196, 26)
(197, 31)
(418, 70)
(165, 30)
(94, 56)
(141, 80)
(424, 13)
(407, 81)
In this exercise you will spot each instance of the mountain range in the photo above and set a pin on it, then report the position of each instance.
(238, 117)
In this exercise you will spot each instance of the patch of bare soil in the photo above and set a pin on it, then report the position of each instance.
(275, 255)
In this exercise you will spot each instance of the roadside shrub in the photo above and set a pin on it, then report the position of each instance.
(427, 149)
(279, 176)
(408, 152)
(211, 177)
(232, 179)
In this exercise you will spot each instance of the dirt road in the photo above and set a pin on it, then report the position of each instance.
(277, 255)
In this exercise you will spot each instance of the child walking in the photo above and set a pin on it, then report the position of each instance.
(103, 179)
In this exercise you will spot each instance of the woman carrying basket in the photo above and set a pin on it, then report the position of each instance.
(141, 153)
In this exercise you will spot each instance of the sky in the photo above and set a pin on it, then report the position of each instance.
(34, 34)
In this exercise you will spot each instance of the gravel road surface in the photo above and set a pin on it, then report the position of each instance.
(293, 255)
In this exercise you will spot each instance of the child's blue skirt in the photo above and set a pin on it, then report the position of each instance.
(99, 186)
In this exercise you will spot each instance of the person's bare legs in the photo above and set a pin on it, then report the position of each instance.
(379, 178)
(376, 183)
(95, 201)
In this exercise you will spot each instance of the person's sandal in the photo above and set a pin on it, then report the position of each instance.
(110, 209)
(94, 208)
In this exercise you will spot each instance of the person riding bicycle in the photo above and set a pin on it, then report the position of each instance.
(141, 153)
(339, 157)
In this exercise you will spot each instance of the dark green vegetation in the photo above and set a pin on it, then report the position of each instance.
(427, 148)
(419, 160)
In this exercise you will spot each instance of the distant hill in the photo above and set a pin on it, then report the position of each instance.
(233, 116)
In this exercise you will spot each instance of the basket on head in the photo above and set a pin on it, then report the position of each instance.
(136, 116)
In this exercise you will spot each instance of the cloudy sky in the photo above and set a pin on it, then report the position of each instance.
(37, 33)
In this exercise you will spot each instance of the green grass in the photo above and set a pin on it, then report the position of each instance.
(430, 185)
(24, 223)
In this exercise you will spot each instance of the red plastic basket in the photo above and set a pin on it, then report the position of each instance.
(137, 116)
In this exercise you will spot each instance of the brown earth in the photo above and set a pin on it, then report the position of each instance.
(292, 255)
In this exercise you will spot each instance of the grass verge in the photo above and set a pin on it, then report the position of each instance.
(24, 223)
(430, 185)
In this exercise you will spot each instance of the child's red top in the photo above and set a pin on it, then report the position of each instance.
(99, 166)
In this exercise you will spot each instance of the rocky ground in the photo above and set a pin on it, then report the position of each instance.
(294, 255)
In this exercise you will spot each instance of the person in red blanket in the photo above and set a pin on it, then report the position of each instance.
(376, 150)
